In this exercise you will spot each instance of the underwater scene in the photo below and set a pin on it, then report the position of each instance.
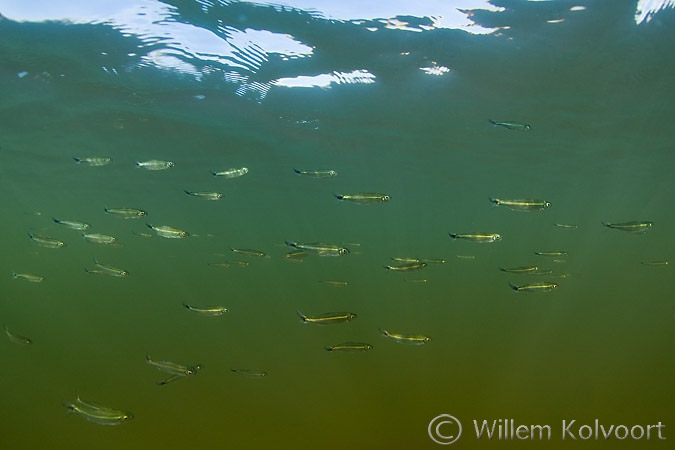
(313, 224)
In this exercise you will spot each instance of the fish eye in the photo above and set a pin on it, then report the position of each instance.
(244, 170)
(385, 198)
(332, 173)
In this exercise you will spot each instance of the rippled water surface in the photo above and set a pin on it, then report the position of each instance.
(397, 98)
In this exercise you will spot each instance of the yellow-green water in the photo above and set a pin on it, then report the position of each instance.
(598, 92)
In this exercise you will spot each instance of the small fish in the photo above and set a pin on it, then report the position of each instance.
(365, 198)
(414, 339)
(223, 265)
(230, 173)
(654, 263)
(405, 259)
(207, 310)
(126, 213)
(566, 225)
(155, 164)
(511, 125)
(320, 248)
(432, 261)
(334, 283)
(108, 270)
(420, 280)
(250, 373)
(17, 339)
(554, 253)
(104, 239)
(28, 277)
(249, 252)
(521, 269)
(99, 414)
(477, 237)
(406, 267)
(328, 318)
(47, 242)
(350, 347)
(94, 160)
(168, 232)
(316, 173)
(72, 224)
(544, 286)
(206, 195)
(522, 204)
(176, 370)
(632, 227)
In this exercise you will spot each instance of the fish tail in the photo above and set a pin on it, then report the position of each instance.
(514, 287)
(302, 316)
(297, 170)
(15, 276)
(383, 331)
(187, 306)
(329, 349)
(493, 122)
(77, 160)
(495, 200)
(453, 235)
(291, 243)
(138, 164)
(149, 226)
(339, 196)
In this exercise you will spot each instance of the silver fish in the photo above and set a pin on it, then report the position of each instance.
(126, 213)
(405, 267)
(108, 270)
(205, 195)
(80, 226)
(17, 339)
(543, 286)
(320, 248)
(316, 173)
(155, 164)
(364, 198)
(230, 173)
(28, 277)
(206, 310)
(522, 204)
(96, 413)
(168, 232)
(93, 160)
(327, 318)
(402, 338)
(511, 125)
(350, 347)
(47, 242)
(632, 227)
(104, 239)
(477, 237)
(176, 370)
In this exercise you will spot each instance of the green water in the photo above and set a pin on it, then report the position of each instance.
(598, 91)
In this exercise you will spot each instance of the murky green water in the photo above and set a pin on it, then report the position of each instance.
(598, 91)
